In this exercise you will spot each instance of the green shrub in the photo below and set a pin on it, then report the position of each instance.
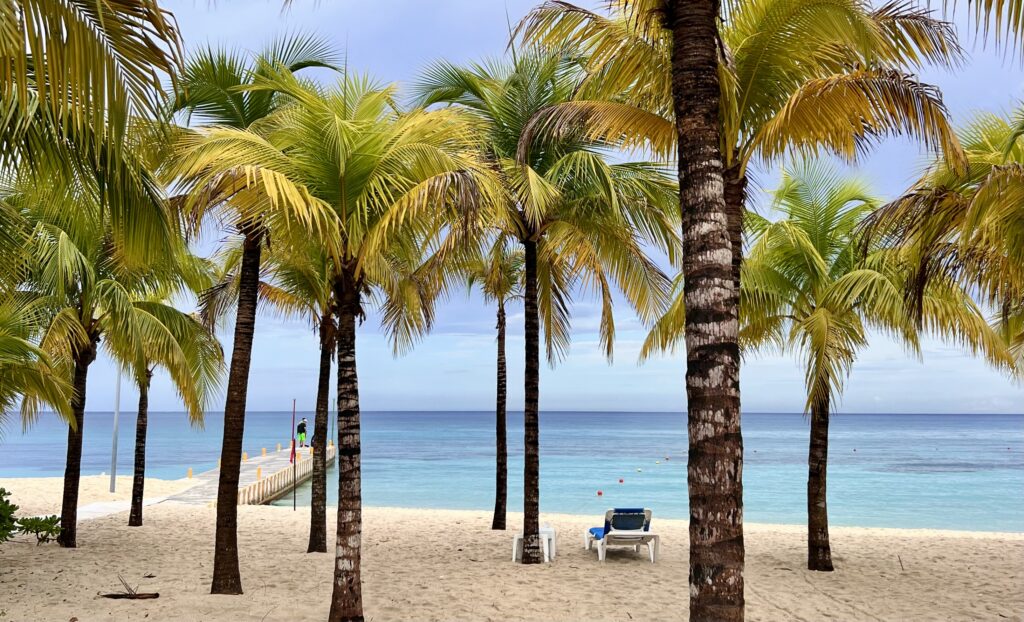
(44, 528)
(8, 524)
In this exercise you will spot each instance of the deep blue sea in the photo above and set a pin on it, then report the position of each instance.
(935, 471)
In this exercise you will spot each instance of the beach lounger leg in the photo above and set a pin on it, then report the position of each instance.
(636, 548)
(652, 547)
(516, 542)
(547, 549)
(588, 541)
(601, 550)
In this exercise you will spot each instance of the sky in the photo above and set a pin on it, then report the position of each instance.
(454, 367)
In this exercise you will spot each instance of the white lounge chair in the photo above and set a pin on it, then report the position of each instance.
(624, 527)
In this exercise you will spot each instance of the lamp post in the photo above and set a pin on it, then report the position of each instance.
(113, 450)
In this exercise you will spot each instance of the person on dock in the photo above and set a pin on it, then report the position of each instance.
(301, 432)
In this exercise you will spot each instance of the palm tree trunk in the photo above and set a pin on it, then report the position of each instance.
(715, 468)
(735, 203)
(819, 552)
(226, 576)
(139, 479)
(501, 434)
(531, 418)
(68, 537)
(318, 510)
(347, 594)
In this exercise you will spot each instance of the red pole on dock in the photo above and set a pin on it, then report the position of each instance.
(293, 458)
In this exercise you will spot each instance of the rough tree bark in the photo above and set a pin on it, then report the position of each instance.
(819, 552)
(735, 203)
(139, 477)
(347, 593)
(501, 434)
(715, 467)
(226, 576)
(68, 537)
(531, 420)
(318, 509)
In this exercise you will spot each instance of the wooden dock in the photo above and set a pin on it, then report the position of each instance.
(261, 479)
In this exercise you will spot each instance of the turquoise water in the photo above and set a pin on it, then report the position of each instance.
(936, 471)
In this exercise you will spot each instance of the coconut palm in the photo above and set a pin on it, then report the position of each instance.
(192, 357)
(297, 282)
(796, 75)
(301, 284)
(499, 273)
(965, 225)
(71, 268)
(579, 219)
(808, 289)
(389, 178)
(215, 90)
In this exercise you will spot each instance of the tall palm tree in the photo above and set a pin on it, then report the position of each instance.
(301, 283)
(215, 89)
(392, 181)
(193, 358)
(965, 224)
(297, 282)
(499, 273)
(795, 75)
(807, 288)
(715, 464)
(579, 219)
(72, 266)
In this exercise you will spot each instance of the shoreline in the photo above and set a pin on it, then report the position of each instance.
(93, 490)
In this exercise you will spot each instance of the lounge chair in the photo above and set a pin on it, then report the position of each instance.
(624, 527)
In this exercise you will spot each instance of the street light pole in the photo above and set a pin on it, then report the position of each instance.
(113, 450)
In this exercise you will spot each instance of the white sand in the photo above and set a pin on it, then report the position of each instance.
(42, 495)
(448, 565)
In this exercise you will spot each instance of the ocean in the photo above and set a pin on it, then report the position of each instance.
(911, 471)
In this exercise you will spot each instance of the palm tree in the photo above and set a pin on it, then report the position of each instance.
(72, 268)
(795, 75)
(391, 181)
(297, 282)
(215, 89)
(579, 219)
(808, 289)
(964, 224)
(193, 358)
(500, 276)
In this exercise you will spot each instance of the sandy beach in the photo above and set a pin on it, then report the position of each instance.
(42, 495)
(448, 565)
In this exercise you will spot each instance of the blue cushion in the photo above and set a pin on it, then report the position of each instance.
(629, 522)
(597, 532)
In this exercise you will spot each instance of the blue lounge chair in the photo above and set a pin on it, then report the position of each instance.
(624, 527)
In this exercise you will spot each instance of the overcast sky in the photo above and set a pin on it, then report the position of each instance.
(454, 367)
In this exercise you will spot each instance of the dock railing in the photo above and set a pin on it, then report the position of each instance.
(268, 488)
